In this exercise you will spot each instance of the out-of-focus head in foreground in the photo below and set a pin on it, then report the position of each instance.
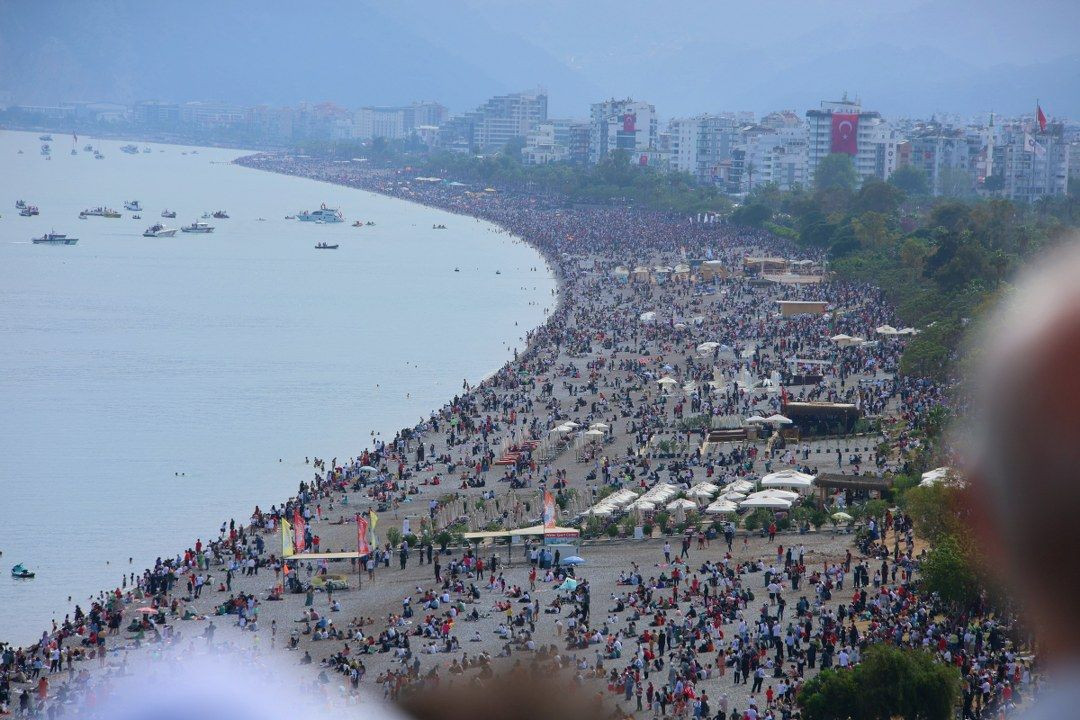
(1025, 451)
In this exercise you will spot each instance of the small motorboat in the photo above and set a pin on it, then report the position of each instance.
(54, 238)
(197, 227)
(30, 211)
(358, 224)
(290, 217)
(324, 246)
(20, 204)
(220, 215)
(159, 230)
(133, 205)
(168, 213)
(21, 572)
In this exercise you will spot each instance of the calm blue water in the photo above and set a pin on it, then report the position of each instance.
(125, 360)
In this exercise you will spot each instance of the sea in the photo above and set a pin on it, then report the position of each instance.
(153, 388)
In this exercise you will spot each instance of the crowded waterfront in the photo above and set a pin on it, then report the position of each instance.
(694, 450)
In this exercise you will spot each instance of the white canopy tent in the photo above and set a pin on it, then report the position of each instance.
(788, 479)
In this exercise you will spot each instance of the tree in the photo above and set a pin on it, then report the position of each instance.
(836, 171)
(934, 509)
(949, 569)
(911, 179)
(752, 215)
(888, 683)
(879, 197)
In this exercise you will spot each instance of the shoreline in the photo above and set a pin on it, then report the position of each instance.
(300, 475)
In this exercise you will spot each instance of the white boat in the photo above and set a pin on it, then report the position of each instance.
(54, 239)
(168, 213)
(197, 227)
(159, 230)
(325, 214)
(129, 149)
(133, 205)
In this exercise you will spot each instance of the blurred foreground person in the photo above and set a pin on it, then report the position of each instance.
(1025, 464)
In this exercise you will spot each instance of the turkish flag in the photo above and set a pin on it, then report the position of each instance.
(845, 133)
(1040, 116)
(629, 122)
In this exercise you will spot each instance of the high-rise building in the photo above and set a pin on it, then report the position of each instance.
(626, 125)
(844, 127)
(1029, 163)
(946, 157)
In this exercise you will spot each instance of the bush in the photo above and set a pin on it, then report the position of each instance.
(393, 536)
(412, 540)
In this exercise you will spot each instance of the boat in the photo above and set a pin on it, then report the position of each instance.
(29, 211)
(290, 217)
(45, 138)
(159, 230)
(327, 215)
(220, 215)
(74, 151)
(20, 204)
(98, 156)
(21, 572)
(197, 227)
(100, 212)
(136, 216)
(133, 205)
(358, 224)
(146, 150)
(88, 147)
(168, 213)
(54, 239)
(45, 149)
(324, 246)
(129, 149)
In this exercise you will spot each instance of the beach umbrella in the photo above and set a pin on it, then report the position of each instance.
(885, 330)
(779, 419)
(682, 503)
(787, 479)
(368, 468)
(775, 503)
(568, 584)
(571, 424)
(741, 486)
(147, 610)
(775, 492)
(721, 506)
(572, 560)
(668, 381)
(594, 433)
(755, 420)
(842, 517)
(599, 426)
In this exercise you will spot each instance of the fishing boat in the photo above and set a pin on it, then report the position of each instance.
(129, 149)
(20, 204)
(358, 224)
(100, 212)
(146, 150)
(88, 147)
(197, 227)
(74, 151)
(133, 205)
(220, 215)
(159, 230)
(45, 149)
(21, 572)
(325, 214)
(324, 246)
(53, 238)
(45, 138)
(168, 213)
(29, 211)
(136, 216)
(98, 155)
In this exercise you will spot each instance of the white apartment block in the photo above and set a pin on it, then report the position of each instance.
(623, 125)
(862, 134)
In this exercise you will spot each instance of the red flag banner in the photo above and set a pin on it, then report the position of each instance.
(549, 509)
(362, 545)
(845, 133)
(1041, 117)
(629, 122)
(298, 526)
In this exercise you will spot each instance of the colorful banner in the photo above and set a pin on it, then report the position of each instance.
(549, 509)
(298, 530)
(629, 122)
(362, 545)
(373, 520)
(286, 539)
(845, 133)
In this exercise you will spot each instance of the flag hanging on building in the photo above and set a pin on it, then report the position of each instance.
(845, 133)
(298, 530)
(362, 545)
(286, 539)
(1040, 117)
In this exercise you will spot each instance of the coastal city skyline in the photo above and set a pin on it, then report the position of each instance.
(615, 360)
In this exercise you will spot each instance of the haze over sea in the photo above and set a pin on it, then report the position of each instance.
(125, 360)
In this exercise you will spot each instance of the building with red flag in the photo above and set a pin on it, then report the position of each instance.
(842, 126)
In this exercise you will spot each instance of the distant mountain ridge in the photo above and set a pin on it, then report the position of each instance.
(374, 53)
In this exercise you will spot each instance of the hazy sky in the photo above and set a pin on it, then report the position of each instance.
(686, 57)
